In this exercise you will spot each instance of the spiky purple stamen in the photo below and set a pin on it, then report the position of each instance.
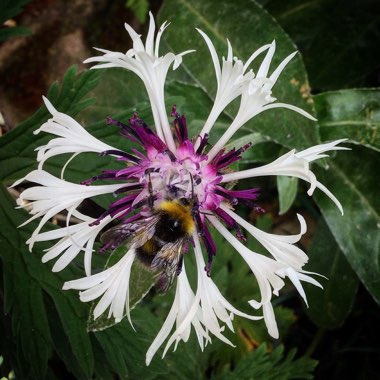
(180, 126)
(123, 155)
(202, 144)
(159, 173)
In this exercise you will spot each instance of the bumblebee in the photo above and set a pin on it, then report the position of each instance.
(159, 242)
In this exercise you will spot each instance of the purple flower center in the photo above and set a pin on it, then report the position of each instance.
(158, 174)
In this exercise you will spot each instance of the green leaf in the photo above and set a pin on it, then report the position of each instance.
(23, 297)
(27, 282)
(118, 91)
(140, 8)
(248, 27)
(14, 31)
(352, 114)
(351, 179)
(260, 364)
(17, 148)
(328, 308)
(129, 357)
(9, 9)
(287, 192)
(332, 35)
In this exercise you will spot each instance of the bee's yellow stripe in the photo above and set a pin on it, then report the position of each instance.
(180, 212)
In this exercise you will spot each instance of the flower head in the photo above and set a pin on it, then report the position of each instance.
(172, 191)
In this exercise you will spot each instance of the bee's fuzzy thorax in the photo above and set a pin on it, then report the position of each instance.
(178, 211)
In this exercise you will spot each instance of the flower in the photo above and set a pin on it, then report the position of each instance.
(170, 167)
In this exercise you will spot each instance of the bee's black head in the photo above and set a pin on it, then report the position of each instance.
(185, 201)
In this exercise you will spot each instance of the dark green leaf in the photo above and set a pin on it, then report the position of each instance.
(118, 91)
(9, 9)
(125, 348)
(25, 279)
(336, 38)
(248, 27)
(351, 114)
(260, 364)
(140, 8)
(15, 31)
(328, 308)
(23, 297)
(351, 179)
(17, 155)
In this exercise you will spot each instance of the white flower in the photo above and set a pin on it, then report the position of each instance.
(73, 138)
(151, 68)
(281, 247)
(112, 285)
(184, 313)
(269, 272)
(294, 164)
(296, 276)
(173, 168)
(265, 270)
(202, 310)
(55, 195)
(73, 239)
(231, 78)
(256, 97)
(214, 306)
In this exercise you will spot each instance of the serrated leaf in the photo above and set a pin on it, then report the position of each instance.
(328, 308)
(23, 296)
(17, 148)
(31, 281)
(129, 357)
(276, 365)
(351, 114)
(351, 179)
(248, 27)
(287, 192)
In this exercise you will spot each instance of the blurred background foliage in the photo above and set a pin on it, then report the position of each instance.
(44, 331)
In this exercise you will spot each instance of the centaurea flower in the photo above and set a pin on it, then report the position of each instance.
(171, 165)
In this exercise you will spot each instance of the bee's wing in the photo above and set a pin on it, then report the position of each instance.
(141, 231)
(168, 262)
(144, 232)
(116, 234)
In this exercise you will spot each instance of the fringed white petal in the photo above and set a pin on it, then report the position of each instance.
(73, 138)
(279, 246)
(256, 97)
(264, 269)
(293, 164)
(73, 240)
(112, 285)
(151, 68)
(55, 195)
(231, 77)
(185, 312)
